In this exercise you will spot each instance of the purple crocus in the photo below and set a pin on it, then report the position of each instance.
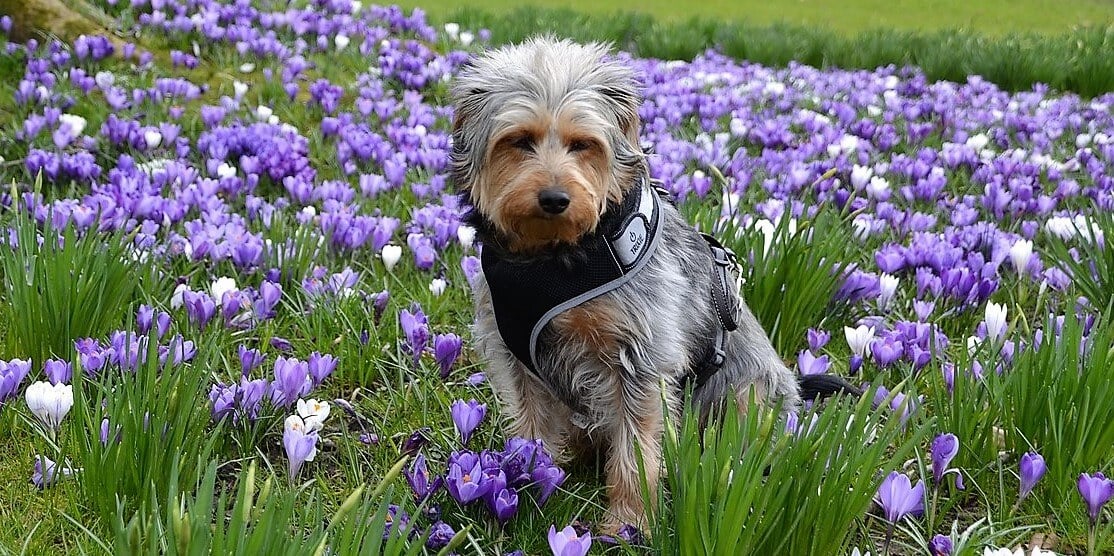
(467, 416)
(466, 483)
(291, 381)
(416, 329)
(548, 477)
(1096, 491)
(249, 359)
(45, 472)
(567, 543)
(419, 478)
(1032, 468)
(12, 374)
(446, 350)
(505, 504)
(300, 444)
(200, 308)
(440, 534)
(269, 295)
(944, 449)
(809, 364)
(940, 545)
(898, 497)
(817, 339)
(144, 318)
(320, 367)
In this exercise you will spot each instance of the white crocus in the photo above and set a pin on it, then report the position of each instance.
(263, 113)
(104, 79)
(978, 141)
(466, 235)
(176, 301)
(768, 230)
(1020, 253)
(995, 320)
(49, 402)
(225, 170)
(437, 286)
(391, 255)
(466, 38)
(973, 343)
(341, 42)
(221, 286)
(452, 30)
(74, 122)
(313, 413)
(152, 137)
(858, 339)
(239, 88)
(887, 289)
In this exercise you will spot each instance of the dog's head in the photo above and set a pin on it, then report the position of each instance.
(545, 134)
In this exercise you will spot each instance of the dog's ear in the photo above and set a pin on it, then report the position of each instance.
(625, 101)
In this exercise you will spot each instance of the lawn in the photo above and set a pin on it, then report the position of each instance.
(250, 209)
(993, 17)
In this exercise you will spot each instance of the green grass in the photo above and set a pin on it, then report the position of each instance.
(1068, 57)
(994, 17)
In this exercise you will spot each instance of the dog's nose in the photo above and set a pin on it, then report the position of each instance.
(553, 200)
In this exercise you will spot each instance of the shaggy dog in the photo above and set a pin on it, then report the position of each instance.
(598, 304)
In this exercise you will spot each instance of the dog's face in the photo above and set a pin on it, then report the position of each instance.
(545, 134)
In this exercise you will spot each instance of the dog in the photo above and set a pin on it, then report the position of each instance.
(597, 304)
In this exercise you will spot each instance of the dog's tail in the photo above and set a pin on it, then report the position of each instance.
(818, 387)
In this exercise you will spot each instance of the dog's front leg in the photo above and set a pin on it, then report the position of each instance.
(533, 410)
(636, 430)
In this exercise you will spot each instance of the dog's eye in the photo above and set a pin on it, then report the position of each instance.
(579, 145)
(524, 143)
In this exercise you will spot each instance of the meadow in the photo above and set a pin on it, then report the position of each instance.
(236, 303)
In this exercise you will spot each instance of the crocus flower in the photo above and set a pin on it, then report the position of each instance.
(440, 534)
(58, 371)
(269, 295)
(466, 483)
(12, 374)
(1032, 468)
(391, 255)
(320, 367)
(567, 543)
(200, 308)
(505, 504)
(1020, 253)
(415, 442)
(995, 320)
(45, 473)
(887, 289)
(548, 477)
(898, 497)
(467, 416)
(940, 545)
(313, 413)
(1096, 491)
(221, 286)
(859, 339)
(446, 350)
(809, 364)
(817, 339)
(944, 449)
(49, 402)
(416, 330)
(418, 477)
(437, 286)
(300, 443)
(249, 359)
(291, 381)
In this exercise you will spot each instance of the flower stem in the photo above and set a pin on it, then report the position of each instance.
(1091, 540)
(889, 537)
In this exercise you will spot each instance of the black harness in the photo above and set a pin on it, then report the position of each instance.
(527, 294)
